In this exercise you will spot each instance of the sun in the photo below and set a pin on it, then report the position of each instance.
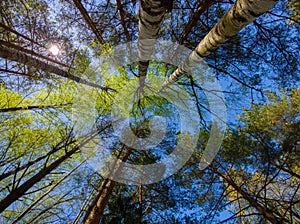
(54, 49)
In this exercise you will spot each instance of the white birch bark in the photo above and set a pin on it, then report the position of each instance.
(150, 17)
(240, 15)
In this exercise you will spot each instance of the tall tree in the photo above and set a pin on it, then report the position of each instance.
(150, 17)
(88, 20)
(20, 191)
(240, 15)
(254, 178)
(264, 164)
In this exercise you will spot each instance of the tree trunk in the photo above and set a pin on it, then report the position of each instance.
(266, 212)
(45, 194)
(150, 17)
(33, 162)
(95, 211)
(30, 52)
(88, 20)
(204, 5)
(40, 107)
(240, 14)
(21, 190)
(20, 35)
(10, 54)
(122, 19)
(140, 209)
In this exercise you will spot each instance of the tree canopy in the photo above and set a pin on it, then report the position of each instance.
(94, 92)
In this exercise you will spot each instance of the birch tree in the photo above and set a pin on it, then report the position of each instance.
(35, 152)
(240, 15)
(150, 17)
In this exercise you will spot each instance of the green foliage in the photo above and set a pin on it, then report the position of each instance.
(264, 154)
(276, 118)
(294, 7)
(251, 154)
(81, 62)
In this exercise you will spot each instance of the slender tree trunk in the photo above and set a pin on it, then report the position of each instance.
(38, 216)
(40, 107)
(99, 203)
(266, 212)
(95, 211)
(21, 190)
(88, 20)
(240, 14)
(10, 54)
(83, 207)
(150, 17)
(204, 5)
(30, 163)
(122, 18)
(19, 34)
(45, 194)
(30, 52)
(140, 215)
